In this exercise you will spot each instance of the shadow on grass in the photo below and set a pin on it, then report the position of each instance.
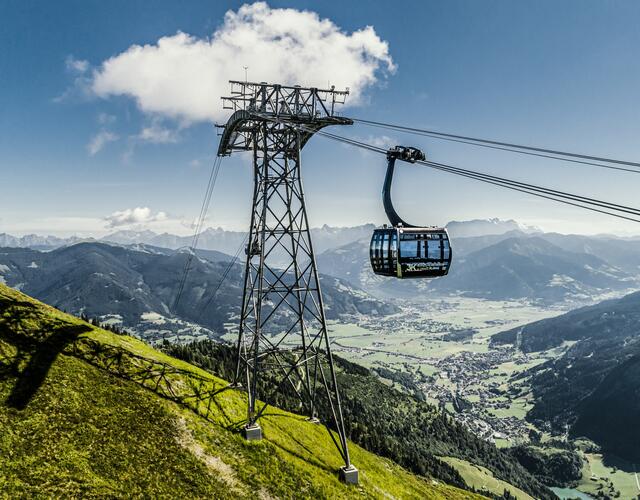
(31, 378)
(39, 351)
(310, 456)
(40, 348)
(189, 390)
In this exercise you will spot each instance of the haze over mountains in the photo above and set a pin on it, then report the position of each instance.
(324, 237)
(210, 239)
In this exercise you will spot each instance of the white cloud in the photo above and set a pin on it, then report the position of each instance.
(79, 66)
(81, 88)
(378, 141)
(157, 134)
(100, 140)
(183, 77)
(130, 216)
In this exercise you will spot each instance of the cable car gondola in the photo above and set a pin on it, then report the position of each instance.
(402, 250)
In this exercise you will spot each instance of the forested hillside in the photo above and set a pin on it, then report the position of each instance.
(409, 431)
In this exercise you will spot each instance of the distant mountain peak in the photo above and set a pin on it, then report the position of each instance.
(487, 227)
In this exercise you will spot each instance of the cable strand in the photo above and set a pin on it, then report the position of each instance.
(200, 221)
(499, 143)
(506, 183)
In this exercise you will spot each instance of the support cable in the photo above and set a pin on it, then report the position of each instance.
(529, 153)
(515, 148)
(532, 187)
(504, 181)
(547, 193)
(559, 200)
(200, 221)
(541, 192)
(224, 276)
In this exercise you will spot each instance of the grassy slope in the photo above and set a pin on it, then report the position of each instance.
(85, 413)
(482, 479)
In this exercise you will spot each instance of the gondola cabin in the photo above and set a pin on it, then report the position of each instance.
(402, 250)
(410, 252)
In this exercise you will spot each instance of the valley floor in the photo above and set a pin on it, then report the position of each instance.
(443, 345)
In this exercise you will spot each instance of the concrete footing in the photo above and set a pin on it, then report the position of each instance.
(348, 475)
(252, 432)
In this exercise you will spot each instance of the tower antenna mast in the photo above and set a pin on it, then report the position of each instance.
(283, 345)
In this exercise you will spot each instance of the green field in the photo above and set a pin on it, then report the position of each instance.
(518, 408)
(416, 336)
(483, 480)
(596, 476)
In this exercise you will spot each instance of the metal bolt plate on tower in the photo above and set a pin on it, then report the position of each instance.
(282, 339)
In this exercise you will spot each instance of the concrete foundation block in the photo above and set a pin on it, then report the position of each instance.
(349, 475)
(252, 432)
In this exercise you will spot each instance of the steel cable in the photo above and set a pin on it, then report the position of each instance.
(200, 221)
(505, 146)
(546, 193)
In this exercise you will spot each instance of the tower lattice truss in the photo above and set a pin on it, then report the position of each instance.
(283, 347)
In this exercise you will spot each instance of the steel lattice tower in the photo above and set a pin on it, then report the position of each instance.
(283, 337)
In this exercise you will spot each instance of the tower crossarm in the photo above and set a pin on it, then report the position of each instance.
(281, 106)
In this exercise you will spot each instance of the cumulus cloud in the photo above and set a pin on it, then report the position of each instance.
(100, 140)
(183, 77)
(378, 141)
(130, 216)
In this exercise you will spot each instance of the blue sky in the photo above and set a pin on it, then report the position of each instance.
(76, 160)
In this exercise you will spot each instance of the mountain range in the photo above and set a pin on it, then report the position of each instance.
(324, 237)
(132, 283)
(523, 266)
(210, 239)
(486, 227)
(493, 259)
(135, 287)
(544, 267)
